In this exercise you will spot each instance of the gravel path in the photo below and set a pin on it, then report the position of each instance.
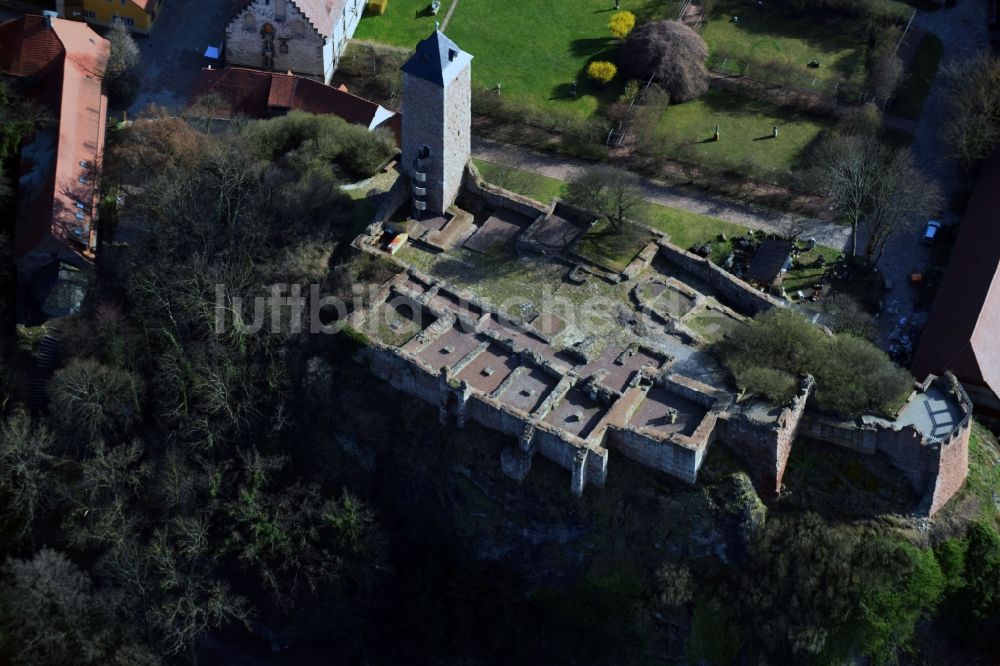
(565, 168)
(963, 31)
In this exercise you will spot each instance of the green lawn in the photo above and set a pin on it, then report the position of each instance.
(745, 142)
(533, 48)
(910, 100)
(984, 472)
(404, 23)
(807, 272)
(610, 248)
(763, 35)
(533, 185)
(685, 228)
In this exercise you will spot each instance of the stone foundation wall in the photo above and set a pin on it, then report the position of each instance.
(731, 288)
(760, 438)
(496, 197)
(764, 447)
(663, 455)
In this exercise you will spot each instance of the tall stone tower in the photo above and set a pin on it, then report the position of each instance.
(437, 122)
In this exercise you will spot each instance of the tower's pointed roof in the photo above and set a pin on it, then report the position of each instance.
(437, 59)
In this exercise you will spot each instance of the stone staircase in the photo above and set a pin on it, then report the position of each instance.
(46, 357)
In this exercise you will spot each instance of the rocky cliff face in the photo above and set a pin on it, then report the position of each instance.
(393, 450)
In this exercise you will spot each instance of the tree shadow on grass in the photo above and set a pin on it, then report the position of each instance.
(592, 46)
(823, 36)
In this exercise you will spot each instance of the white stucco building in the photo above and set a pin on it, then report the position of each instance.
(301, 36)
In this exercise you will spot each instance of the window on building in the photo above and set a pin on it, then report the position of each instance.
(249, 22)
(283, 47)
(298, 29)
(279, 10)
(89, 15)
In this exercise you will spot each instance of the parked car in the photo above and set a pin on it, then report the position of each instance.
(931, 232)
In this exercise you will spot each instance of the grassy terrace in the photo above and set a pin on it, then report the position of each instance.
(762, 35)
(534, 48)
(685, 228)
(745, 141)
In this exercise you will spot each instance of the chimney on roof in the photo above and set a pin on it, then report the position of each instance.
(49, 15)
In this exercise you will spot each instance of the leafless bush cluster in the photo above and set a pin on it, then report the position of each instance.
(672, 54)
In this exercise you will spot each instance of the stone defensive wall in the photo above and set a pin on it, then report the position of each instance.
(455, 351)
(935, 465)
(740, 294)
(499, 198)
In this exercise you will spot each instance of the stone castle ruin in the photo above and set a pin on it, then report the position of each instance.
(650, 392)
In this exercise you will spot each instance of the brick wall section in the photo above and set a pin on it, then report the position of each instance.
(245, 44)
(732, 289)
(952, 470)
(764, 447)
(937, 469)
(848, 434)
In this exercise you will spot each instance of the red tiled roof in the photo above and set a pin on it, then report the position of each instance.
(145, 5)
(282, 91)
(257, 94)
(27, 46)
(70, 85)
(963, 331)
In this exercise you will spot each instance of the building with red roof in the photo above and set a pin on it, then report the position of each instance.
(253, 93)
(136, 15)
(963, 332)
(60, 65)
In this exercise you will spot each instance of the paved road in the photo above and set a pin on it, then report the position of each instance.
(963, 30)
(173, 56)
(565, 168)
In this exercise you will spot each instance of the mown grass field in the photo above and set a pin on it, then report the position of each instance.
(534, 48)
(762, 35)
(745, 127)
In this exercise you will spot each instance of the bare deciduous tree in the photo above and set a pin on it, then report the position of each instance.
(48, 612)
(188, 599)
(973, 127)
(873, 183)
(614, 194)
(670, 52)
(847, 167)
(903, 197)
(25, 461)
(885, 76)
(89, 398)
(124, 51)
